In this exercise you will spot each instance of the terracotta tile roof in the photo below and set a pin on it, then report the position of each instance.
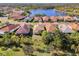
(37, 18)
(18, 17)
(78, 27)
(9, 28)
(73, 25)
(50, 27)
(45, 18)
(17, 14)
(60, 18)
(18, 11)
(68, 18)
(53, 18)
(38, 28)
(24, 29)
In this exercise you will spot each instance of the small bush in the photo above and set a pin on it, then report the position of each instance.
(3, 48)
(16, 49)
(47, 37)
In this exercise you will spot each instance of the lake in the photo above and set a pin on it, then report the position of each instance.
(47, 12)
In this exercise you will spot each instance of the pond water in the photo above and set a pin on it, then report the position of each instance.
(47, 12)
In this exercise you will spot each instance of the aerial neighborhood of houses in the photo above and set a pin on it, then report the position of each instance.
(39, 29)
(15, 21)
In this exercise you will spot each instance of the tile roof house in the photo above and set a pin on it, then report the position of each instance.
(23, 29)
(17, 14)
(60, 18)
(18, 17)
(68, 18)
(78, 27)
(38, 28)
(9, 28)
(50, 27)
(73, 25)
(37, 19)
(65, 28)
(45, 18)
(53, 18)
(17, 11)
